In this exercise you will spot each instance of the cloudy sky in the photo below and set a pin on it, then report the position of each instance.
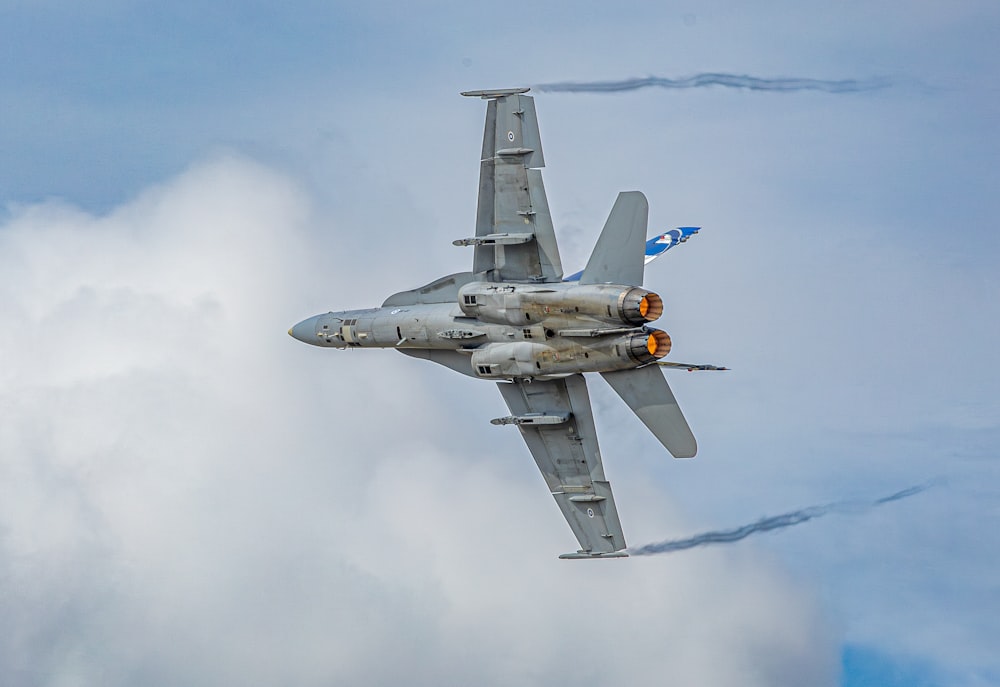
(189, 496)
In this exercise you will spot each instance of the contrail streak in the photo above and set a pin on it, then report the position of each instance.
(773, 522)
(752, 83)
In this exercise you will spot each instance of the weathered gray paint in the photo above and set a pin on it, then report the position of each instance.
(513, 320)
(512, 197)
(568, 457)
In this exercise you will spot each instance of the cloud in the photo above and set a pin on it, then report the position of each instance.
(846, 273)
(187, 495)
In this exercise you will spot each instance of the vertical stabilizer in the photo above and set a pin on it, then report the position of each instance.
(619, 255)
(647, 393)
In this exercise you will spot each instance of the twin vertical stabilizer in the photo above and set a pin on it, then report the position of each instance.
(619, 256)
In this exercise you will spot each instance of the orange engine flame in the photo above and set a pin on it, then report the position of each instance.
(651, 306)
(658, 343)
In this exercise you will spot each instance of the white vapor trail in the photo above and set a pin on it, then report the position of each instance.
(773, 522)
(753, 83)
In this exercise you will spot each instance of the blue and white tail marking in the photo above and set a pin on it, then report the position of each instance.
(657, 246)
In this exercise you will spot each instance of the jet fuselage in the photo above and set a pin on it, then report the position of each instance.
(510, 330)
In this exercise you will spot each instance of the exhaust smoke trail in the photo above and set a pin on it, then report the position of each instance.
(751, 83)
(773, 522)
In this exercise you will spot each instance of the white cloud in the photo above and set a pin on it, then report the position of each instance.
(188, 496)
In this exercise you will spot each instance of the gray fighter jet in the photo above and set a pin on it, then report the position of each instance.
(514, 320)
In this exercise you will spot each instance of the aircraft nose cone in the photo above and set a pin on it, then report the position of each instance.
(304, 331)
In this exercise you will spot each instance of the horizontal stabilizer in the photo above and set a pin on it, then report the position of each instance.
(647, 393)
(619, 256)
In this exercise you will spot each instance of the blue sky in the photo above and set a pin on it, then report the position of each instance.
(184, 486)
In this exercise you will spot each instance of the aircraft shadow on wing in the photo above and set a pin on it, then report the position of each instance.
(517, 320)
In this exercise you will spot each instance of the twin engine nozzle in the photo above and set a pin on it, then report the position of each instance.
(533, 359)
(656, 343)
(638, 306)
(527, 304)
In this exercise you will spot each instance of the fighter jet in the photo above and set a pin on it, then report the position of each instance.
(513, 319)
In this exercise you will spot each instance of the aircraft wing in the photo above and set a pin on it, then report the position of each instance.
(515, 240)
(557, 424)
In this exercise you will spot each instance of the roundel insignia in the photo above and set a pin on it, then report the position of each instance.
(590, 512)
(510, 136)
